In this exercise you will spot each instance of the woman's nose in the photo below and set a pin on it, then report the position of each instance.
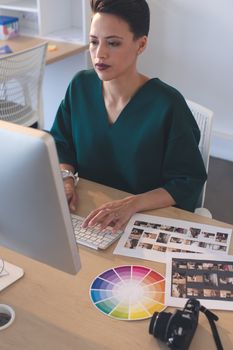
(101, 51)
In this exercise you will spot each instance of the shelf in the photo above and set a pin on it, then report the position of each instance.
(24, 5)
(63, 20)
(72, 35)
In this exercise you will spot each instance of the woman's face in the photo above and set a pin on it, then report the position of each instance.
(113, 48)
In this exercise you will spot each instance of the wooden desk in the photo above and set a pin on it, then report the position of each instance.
(64, 49)
(54, 311)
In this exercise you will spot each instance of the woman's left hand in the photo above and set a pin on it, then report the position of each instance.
(115, 214)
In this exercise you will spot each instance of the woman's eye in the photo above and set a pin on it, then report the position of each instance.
(114, 43)
(93, 42)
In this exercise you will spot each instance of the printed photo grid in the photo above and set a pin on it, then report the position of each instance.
(151, 237)
(202, 277)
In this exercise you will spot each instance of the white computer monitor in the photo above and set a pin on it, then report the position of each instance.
(34, 215)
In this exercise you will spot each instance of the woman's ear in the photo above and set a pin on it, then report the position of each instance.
(142, 43)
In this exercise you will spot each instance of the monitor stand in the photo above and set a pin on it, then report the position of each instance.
(9, 275)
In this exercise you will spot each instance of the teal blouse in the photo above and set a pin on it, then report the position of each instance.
(153, 143)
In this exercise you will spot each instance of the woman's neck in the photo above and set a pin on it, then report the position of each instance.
(118, 92)
(122, 89)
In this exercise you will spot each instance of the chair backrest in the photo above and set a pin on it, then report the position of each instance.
(204, 119)
(21, 77)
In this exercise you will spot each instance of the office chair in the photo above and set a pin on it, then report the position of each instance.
(204, 119)
(21, 76)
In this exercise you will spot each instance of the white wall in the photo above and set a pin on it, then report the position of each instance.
(191, 48)
(56, 79)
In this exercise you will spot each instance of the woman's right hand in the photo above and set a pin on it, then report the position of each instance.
(71, 194)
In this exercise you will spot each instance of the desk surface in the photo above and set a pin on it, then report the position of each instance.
(54, 311)
(64, 49)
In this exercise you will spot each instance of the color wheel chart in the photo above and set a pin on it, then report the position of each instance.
(129, 292)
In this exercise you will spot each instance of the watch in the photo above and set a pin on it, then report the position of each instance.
(68, 173)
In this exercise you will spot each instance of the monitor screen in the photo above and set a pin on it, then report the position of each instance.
(34, 215)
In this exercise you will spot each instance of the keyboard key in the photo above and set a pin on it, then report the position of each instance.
(92, 237)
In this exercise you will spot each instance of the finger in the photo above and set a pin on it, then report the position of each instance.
(73, 203)
(119, 224)
(109, 220)
(107, 206)
(71, 196)
(90, 217)
(100, 217)
(69, 190)
(89, 220)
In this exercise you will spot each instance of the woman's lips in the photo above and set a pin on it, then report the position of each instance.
(102, 66)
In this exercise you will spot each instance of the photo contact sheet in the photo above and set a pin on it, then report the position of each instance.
(200, 276)
(151, 237)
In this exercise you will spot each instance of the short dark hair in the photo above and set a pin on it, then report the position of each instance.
(135, 12)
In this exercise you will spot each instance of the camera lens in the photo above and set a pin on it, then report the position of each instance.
(158, 324)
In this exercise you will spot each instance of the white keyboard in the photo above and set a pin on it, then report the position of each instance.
(92, 237)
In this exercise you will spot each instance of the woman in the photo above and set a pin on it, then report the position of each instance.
(120, 128)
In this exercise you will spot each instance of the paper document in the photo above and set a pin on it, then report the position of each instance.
(152, 237)
(202, 277)
(9, 275)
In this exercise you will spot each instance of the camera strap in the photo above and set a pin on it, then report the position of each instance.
(212, 318)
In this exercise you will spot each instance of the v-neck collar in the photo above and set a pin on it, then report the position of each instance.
(121, 115)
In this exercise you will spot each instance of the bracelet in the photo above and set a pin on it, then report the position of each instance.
(65, 173)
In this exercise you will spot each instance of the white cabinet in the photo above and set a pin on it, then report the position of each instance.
(66, 20)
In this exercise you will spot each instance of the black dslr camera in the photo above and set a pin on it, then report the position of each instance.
(178, 329)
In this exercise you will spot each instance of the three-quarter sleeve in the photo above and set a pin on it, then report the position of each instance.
(184, 173)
